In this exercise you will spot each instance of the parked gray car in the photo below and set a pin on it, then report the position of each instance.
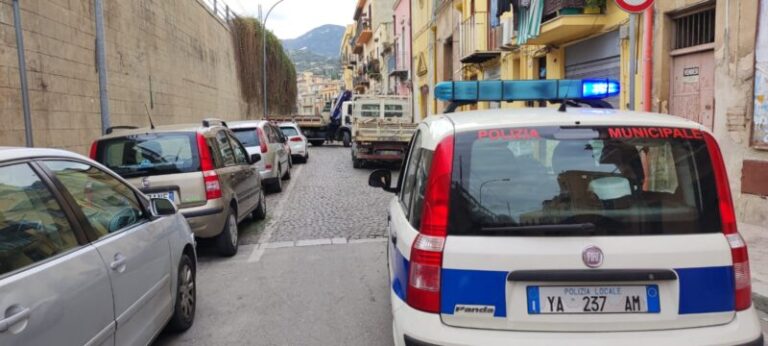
(86, 258)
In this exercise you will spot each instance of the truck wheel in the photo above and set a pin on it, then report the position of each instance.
(347, 138)
(357, 163)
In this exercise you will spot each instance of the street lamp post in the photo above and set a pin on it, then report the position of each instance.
(264, 52)
(22, 74)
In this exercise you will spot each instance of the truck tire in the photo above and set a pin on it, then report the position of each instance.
(317, 143)
(347, 139)
(357, 163)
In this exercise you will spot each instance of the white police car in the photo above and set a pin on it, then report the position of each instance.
(574, 226)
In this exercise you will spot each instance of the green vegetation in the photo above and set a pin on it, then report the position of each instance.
(281, 74)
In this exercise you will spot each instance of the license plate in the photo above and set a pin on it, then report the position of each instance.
(389, 152)
(593, 299)
(169, 195)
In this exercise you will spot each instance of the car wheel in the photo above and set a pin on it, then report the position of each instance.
(287, 175)
(290, 161)
(227, 240)
(260, 213)
(347, 139)
(306, 158)
(277, 186)
(184, 308)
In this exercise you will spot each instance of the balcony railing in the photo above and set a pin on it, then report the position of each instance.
(474, 40)
(554, 8)
(363, 32)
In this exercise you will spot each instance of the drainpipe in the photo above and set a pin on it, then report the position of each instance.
(647, 58)
(632, 58)
(22, 74)
(101, 62)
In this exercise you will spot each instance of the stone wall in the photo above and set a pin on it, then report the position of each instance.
(171, 56)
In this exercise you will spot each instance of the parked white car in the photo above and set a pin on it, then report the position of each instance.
(297, 141)
(85, 258)
(262, 137)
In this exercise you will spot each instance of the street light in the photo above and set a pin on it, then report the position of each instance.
(264, 53)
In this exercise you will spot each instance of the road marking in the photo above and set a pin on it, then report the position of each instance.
(258, 251)
(314, 242)
(339, 241)
(367, 240)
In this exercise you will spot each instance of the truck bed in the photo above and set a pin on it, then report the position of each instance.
(304, 121)
(383, 132)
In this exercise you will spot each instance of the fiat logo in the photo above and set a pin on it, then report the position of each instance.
(592, 256)
(145, 182)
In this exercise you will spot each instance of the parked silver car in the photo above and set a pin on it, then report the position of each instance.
(85, 258)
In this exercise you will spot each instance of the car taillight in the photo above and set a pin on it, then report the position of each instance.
(741, 274)
(92, 153)
(262, 141)
(426, 260)
(295, 139)
(210, 178)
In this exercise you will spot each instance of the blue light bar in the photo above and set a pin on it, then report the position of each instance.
(526, 90)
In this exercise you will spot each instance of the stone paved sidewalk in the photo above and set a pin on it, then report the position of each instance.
(757, 241)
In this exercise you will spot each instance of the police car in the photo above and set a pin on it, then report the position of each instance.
(578, 226)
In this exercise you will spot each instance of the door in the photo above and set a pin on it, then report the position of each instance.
(277, 144)
(247, 183)
(597, 57)
(230, 174)
(692, 92)
(135, 249)
(54, 287)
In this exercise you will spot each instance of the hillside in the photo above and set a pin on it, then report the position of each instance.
(324, 40)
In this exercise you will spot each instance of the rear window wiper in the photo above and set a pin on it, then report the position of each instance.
(575, 227)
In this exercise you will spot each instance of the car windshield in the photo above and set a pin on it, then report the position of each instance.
(563, 181)
(150, 154)
(249, 137)
(289, 131)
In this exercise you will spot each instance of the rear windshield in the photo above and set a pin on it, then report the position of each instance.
(150, 154)
(289, 131)
(248, 137)
(577, 181)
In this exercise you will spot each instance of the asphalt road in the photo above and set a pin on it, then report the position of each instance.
(313, 273)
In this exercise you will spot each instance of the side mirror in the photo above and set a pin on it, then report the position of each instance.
(255, 158)
(163, 207)
(382, 178)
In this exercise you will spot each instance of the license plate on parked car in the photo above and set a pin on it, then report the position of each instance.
(593, 299)
(169, 195)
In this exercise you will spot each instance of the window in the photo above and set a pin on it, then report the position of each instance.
(33, 226)
(289, 131)
(240, 155)
(225, 149)
(694, 29)
(370, 110)
(596, 181)
(420, 186)
(249, 137)
(393, 111)
(409, 172)
(150, 154)
(108, 204)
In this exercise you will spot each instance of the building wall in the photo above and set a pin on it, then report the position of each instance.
(174, 57)
(402, 39)
(423, 58)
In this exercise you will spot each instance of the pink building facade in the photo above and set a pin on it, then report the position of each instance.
(401, 76)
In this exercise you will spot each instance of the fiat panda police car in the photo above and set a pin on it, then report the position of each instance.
(578, 226)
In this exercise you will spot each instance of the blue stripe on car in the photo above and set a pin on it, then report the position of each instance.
(702, 290)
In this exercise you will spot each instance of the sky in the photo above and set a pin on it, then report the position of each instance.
(292, 18)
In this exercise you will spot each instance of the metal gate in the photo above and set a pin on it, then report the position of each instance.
(598, 57)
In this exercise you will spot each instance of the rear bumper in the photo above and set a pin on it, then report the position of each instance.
(206, 221)
(381, 151)
(413, 327)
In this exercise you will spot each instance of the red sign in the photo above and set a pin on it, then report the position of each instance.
(634, 6)
(654, 132)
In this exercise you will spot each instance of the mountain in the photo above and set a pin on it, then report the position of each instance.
(307, 61)
(324, 40)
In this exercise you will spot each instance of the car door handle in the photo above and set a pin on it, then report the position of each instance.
(118, 264)
(10, 321)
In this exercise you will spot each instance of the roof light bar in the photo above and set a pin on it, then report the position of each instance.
(526, 90)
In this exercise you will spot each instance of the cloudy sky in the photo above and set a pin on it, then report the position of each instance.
(291, 18)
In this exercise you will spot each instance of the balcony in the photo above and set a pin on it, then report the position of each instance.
(565, 21)
(359, 8)
(360, 83)
(372, 69)
(363, 32)
(474, 40)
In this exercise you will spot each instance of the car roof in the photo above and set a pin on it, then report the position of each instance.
(442, 125)
(15, 153)
(161, 128)
(246, 124)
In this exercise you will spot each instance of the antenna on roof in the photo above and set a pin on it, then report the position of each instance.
(151, 124)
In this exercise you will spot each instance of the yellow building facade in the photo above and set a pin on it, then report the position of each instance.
(423, 34)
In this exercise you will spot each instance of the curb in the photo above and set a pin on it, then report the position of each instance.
(760, 302)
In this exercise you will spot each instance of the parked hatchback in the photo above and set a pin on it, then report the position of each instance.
(203, 169)
(262, 137)
(297, 141)
(571, 226)
(86, 258)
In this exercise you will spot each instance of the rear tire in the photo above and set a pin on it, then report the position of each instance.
(306, 158)
(347, 139)
(277, 186)
(287, 175)
(227, 239)
(186, 298)
(357, 163)
(260, 213)
(317, 143)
